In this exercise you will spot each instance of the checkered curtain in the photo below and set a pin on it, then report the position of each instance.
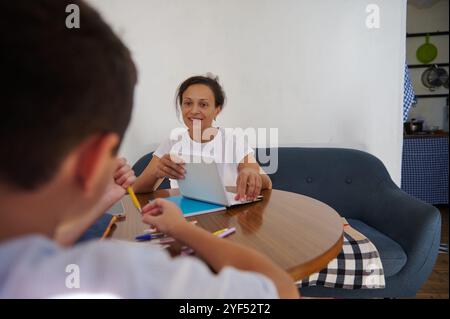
(409, 95)
(425, 169)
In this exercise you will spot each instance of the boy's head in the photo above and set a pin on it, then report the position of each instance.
(66, 95)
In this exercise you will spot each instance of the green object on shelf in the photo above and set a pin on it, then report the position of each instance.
(427, 52)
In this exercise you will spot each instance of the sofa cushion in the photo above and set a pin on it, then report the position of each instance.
(393, 257)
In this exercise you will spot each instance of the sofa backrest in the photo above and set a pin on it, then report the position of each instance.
(344, 179)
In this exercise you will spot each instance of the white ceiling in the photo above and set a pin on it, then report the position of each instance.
(423, 3)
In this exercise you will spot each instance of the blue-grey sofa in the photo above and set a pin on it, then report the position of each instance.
(405, 230)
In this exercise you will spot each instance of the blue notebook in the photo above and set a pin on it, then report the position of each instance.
(191, 207)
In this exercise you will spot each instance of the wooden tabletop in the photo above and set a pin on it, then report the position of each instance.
(297, 232)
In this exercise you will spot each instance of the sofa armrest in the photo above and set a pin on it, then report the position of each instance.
(412, 223)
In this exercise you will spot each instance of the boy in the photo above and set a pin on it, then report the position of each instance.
(66, 103)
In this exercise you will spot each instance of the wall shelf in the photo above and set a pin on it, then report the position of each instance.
(424, 34)
(416, 66)
(421, 96)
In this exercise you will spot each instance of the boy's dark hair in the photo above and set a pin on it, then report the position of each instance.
(209, 81)
(59, 86)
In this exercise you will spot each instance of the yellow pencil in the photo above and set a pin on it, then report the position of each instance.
(134, 198)
(108, 229)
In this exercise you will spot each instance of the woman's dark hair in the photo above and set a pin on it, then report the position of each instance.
(209, 81)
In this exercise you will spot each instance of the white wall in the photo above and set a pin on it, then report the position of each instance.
(310, 68)
(433, 110)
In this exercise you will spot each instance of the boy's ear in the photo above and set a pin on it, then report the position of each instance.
(95, 155)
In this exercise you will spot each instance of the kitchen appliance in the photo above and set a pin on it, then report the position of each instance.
(434, 77)
(413, 126)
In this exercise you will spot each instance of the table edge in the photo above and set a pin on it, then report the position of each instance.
(302, 271)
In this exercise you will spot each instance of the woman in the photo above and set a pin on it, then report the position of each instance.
(200, 100)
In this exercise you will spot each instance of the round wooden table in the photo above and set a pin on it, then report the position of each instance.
(297, 232)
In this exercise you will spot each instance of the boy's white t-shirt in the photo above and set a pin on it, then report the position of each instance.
(36, 267)
(228, 148)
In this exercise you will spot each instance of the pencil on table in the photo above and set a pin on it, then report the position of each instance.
(108, 229)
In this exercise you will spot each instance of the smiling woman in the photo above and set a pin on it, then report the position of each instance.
(200, 100)
(209, 97)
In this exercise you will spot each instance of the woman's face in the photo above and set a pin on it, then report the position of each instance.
(198, 103)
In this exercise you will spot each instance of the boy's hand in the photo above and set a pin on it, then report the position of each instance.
(164, 215)
(124, 175)
(122, 178)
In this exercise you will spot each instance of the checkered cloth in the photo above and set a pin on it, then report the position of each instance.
(358, 266)
(409, 96)
(425, 169)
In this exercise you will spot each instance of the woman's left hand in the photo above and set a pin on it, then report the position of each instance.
(248, 183)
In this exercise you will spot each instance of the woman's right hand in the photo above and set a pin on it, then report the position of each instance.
(168, 168)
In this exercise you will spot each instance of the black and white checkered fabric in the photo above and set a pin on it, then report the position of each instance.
(425, 169)
(409, 96)
(358, 266)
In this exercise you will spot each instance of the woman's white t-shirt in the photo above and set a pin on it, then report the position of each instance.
(228, 148)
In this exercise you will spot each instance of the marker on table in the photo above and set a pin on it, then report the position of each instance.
(226, 233)
(166, 240)
(220, 231)
(154, 230)
(151, 231)
(149, 236)
(134, 199)
(185, 250)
